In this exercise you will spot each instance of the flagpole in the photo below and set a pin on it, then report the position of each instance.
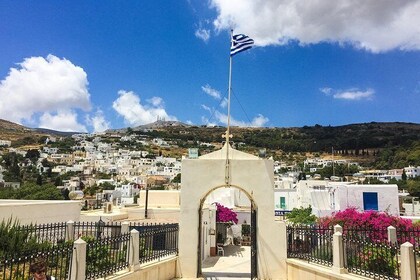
(227, 166)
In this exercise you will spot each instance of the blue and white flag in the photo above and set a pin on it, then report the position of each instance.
(240, 42)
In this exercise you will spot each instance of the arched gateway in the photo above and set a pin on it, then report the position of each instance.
(255, 177)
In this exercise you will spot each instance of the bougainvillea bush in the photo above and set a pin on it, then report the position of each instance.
(225, 215)
(375, 222)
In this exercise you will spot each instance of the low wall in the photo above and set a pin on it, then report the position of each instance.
(39, 211)
(164, 214)
(158, 198)
(162, 270)
(297, 269)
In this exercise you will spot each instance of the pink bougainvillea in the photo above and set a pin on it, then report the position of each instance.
(376, 222)
(225, 215)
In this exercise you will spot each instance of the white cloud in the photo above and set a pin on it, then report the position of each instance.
(98, 121)
(207, 122)
(224, 102)
(211, 92)
(203, 34)
(129, 106)
(207, 108)
(349, 94)
(156, 101)
(257, 121)
(376, 26)
(62, 120)
(326, 90)
(52, 86)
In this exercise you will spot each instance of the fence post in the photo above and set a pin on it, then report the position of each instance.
(70, 230)
(408, 263)
(125, 227)
(134, 257)
(392, 235)
(338, 253)
(338, 228)
(78, 262)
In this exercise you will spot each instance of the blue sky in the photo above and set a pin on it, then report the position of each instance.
(93, 65)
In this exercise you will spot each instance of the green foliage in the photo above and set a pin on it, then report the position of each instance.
(398, 156)
(323, 252)
(64, 145)
(177, 178)
(32, 191)
(17, 240)
(413, 186)
(96, 255)
(144, 250)
(246, 229)
(301, 216)
(11, 164)
(92, 190)
(376, 258)
(107, 186)
(32, 154)
(339, 170)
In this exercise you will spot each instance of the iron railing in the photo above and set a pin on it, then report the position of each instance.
(105, 256)
(367, 234)
(97, 230)
(377, 260)
(311, 243)
(367, 251)
(157, 240)
(58, 258)
(53, 233)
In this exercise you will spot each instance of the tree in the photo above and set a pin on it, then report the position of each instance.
(177, 178)
(32, 154)
(404, 176)
(301, 216)
(107, 186)
(39, 180)
(413, 186)
(32, 191)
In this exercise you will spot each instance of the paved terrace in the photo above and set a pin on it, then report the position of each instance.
(235, 264)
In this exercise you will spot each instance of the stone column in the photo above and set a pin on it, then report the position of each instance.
(338, 228)
(408, 262)
(70, 230)
(134, 257)
(78, 263)
(125, 227)
(392, 235)
(338, 253)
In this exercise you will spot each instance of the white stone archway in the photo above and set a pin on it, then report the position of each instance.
(255, 176)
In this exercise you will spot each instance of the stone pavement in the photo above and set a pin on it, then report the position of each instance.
(235, 264)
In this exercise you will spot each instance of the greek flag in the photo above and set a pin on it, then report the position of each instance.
(240, 42)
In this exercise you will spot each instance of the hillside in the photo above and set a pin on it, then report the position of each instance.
(305, 139)
(21, 135)
(380, 144)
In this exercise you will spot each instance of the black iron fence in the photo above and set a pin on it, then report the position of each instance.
(97, 230)
(367, 251)
(52, 233)
(157, 240)
(105, 256)
(373, 259)
(58, 258)
(107, 249)
(311, 243)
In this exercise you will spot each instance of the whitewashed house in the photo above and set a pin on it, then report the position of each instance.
(412, 171)
(326, 197)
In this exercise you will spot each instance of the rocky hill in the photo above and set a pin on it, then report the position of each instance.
(22, 136)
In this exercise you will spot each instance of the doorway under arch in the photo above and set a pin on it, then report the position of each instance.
(239, 253)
